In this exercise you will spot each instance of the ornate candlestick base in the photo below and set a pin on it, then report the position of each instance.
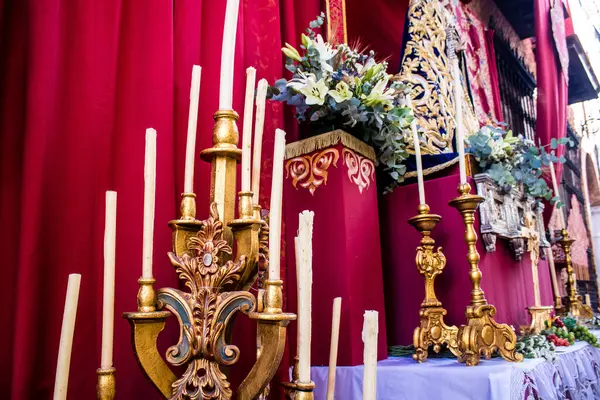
(482, 335)
(432, 330)
(106, 386)
(298, 390)
(539, 315)
(574, 304)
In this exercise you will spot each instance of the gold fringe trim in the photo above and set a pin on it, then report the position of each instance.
(433, 170)
(329, 139)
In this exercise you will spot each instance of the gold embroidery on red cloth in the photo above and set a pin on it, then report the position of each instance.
(361, 170)
(311, 170)
(336, 21)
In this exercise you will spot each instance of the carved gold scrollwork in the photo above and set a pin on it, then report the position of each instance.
(361, 170)
(205, 312)
(310, 171)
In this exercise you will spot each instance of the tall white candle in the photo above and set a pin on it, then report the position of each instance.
(108, 303)
(261, 98)
(276, 205)
(61, 383)
(561, 215)
(333, 348)
(247, 130)
(149, 199)
(190, 149)
(588, 299)
(418, 160)
(460, 138)
(369, 337)
(228, 55)
(305, 231)
(552, 267)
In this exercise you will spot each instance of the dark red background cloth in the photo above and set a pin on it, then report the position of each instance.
(346, 262)
(80, 83)
(378, 25)
(551, 83)
(507, 283)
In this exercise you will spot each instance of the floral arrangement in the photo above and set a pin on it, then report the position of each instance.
(347, 89)
(514, 160)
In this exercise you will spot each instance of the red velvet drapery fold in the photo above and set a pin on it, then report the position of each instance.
(552, 87)
(493, 68)
(80, 82)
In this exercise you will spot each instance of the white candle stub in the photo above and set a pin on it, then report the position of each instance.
(276, 206)
(190, 148)
(149, 199)
(228, 55)
(460, 134)
(247, 129)
(333, 348)
(108, 301)
(305, 273)
(261, 98)
(61, 383)
(369, 337)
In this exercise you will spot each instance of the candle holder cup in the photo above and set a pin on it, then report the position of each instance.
(432, 330)
(482, 335)
(218, 283)
(296, 390)
(574, 305)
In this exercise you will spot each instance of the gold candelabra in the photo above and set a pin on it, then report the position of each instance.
(217, 283)
(432, 330)
(482, 335)
(574, 304)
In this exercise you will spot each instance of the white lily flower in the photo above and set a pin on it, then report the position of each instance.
(341, 93)
(315, 91)
(326, 53)
(379, 94)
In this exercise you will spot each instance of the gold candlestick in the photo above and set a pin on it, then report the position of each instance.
(482, 335)
(106, 386)
(296, 390)
(217, 283)
(432, 330)
(574, 304)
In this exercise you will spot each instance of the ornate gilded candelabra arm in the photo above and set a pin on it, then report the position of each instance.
(574, 304)
(482, 335)
(432, 330)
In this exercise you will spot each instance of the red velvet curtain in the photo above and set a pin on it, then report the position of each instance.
(552, 86)
(493, 68)
(80, 82)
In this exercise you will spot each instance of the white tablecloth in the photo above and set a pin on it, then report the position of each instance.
(574, 375)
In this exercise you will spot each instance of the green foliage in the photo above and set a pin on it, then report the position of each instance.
(513, 160)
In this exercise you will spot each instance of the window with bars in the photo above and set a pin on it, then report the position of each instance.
(517, 90)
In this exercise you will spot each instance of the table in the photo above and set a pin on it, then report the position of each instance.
(575, 374)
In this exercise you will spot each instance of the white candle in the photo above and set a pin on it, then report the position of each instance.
(276, 204)
(305, 231)
(261, 98)
(561, 215)
(588, 299)
(419, 162)
(61, 383)
(552, 267)
(108, 304)
(369, 337)
(460, 139)
(333, 349)
(149, 198)
(298, 256)
(190, 149)
(228, 55)
(247, 132)
(536, 284)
